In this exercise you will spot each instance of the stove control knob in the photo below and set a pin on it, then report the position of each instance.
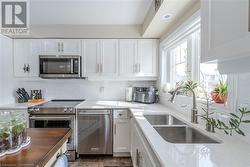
(65, 110)
(36, 109)
(31, 110)
(70, 109)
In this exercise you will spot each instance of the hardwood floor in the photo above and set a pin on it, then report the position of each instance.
(102, 161)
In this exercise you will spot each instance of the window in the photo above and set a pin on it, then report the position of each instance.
(181, 61)
(180, 64)
(209, 76)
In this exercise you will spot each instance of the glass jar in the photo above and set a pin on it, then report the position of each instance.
(18, 129)
(5, 132)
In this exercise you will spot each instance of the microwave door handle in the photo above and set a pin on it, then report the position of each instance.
(72, 66)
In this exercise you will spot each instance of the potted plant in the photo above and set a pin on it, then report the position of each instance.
(220, 93)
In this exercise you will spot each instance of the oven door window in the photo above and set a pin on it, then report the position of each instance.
(56, 66)
(52, 124)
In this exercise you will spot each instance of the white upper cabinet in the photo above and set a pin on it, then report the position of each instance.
(100, 57)
(147, 57)
(128, 57)
(224, 29)
(138, 57)
(109, 57)
(26, 57)
(91, 57)
(65, 46)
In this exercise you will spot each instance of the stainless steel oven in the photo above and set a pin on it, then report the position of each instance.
(55, 121)
(59, 66)
(58, 113)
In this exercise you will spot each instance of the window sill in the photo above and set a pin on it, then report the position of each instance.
(220, 108)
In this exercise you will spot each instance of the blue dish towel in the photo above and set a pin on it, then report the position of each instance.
(62, 161)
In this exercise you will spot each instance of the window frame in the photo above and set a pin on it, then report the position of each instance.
(188, 31)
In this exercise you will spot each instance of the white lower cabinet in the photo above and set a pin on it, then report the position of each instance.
(141, 153)
(121, 133)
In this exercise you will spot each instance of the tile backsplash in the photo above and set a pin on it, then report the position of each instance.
(82, 89)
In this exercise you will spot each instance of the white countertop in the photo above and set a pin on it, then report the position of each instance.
(230, 153)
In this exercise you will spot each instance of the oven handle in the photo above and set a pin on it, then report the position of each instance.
(94, 113)
(50, 118)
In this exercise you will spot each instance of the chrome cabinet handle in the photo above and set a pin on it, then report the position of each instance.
(115, 129)
(58, 47)
(62, 47)
(137, 157)
(139, 67)
(24, 68)
(28, 68)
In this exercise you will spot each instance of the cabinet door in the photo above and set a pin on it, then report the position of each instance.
(147, 57)
(51, 46)
(132, 141)
(21, 49)
(71, 47)
(225, 29)
(91, 57)
(33, 57)
(122, 135)
(128, 57)
(26, 54)
(109, 57)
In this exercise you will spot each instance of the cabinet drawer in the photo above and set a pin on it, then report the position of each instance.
(121, 114)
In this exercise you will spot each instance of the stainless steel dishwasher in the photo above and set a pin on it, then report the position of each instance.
(94, 132)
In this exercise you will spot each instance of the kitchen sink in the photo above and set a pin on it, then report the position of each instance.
(163, 120)
(183, 134)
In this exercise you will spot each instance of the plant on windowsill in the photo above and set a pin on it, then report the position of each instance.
(220, 92)
(233, 125)
(212, 123)
(234, 122)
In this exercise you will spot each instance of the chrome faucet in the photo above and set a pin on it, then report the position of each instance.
(194, 110)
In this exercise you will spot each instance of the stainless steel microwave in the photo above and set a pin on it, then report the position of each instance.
(59, 66)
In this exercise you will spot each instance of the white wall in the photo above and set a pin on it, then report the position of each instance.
(7, 81)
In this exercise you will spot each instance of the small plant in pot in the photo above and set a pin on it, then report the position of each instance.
(220, 93)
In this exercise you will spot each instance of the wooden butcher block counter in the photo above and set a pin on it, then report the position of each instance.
(46, 144)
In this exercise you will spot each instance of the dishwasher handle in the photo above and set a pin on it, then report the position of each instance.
(94, 112)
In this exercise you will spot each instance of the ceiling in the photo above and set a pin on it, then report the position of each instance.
(179, 10)
(88, 12)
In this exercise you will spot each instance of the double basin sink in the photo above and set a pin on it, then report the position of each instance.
(173, 130)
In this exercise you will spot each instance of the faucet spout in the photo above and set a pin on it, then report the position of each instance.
(194, 110)
(174, 94)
